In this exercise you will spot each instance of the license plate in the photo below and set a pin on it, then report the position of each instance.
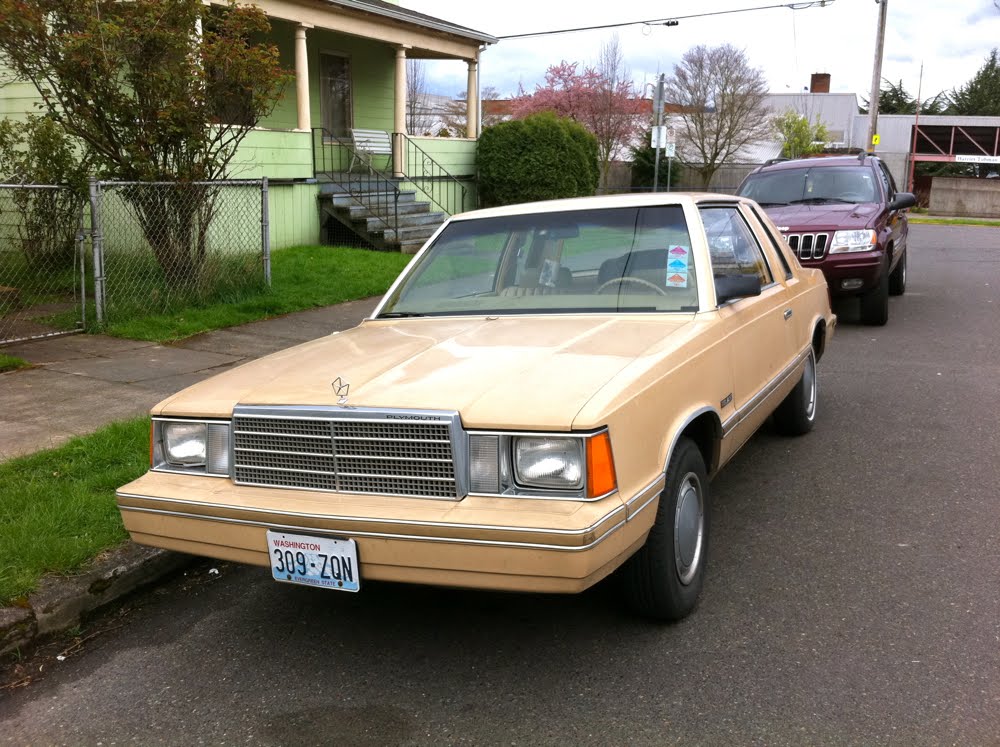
(314, 561)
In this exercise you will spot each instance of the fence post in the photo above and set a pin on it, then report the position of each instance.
(97, 244)
(265, 230)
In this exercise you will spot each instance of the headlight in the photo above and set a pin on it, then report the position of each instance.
(548, 462)
(199, 447)
(185, 444)
(853, 241)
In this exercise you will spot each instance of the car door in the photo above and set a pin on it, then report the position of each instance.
(755, 327)
(897, 222)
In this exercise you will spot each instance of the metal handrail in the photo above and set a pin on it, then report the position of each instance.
(420, 166)
(331, 154)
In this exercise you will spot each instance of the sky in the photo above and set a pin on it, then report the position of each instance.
(950, 37)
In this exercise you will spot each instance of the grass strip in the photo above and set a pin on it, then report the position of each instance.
(10, 363)
(57, 507)
(303, 277)
(955, 221)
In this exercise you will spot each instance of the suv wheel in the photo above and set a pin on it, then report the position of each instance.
(897, 280)
(875, 303)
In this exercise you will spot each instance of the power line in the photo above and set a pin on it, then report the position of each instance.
(673, 20)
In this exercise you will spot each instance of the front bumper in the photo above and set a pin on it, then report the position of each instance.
(866, 267)
(513, 544)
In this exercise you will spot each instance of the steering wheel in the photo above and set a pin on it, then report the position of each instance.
(630, 279)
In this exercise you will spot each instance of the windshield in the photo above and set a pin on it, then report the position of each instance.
(816, 184)
(609, 260)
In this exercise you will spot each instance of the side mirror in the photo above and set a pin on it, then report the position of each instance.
(902, 200)
(730, 287)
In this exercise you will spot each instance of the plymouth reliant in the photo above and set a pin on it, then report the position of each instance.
(540, 400)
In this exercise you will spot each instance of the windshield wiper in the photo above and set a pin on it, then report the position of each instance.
(822, 200)
(772, 204)
(399, 314)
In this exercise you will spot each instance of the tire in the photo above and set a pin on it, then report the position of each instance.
(897, 280)
(875, 303)
(663, 580)
(796, 414)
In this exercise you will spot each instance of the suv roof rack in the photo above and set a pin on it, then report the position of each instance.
(861, 156)
(772, 161)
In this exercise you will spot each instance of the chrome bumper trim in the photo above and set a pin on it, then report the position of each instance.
(386, 535)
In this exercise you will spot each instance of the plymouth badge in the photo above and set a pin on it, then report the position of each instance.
(341, 388)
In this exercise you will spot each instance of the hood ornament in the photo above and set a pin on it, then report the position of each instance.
(341, 388)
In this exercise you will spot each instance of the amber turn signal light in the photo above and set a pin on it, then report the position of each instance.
(600, 466)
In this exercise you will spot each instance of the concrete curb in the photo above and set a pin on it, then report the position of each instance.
(61, 602)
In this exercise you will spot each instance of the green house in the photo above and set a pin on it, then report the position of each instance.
(329, 182)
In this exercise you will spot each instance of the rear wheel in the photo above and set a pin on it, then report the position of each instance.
(796, 414)
(897, 280)
(663, 580)
(875, 303)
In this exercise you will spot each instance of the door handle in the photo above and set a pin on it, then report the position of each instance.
(788, 314)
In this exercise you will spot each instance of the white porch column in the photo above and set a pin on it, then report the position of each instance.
(472, 101)
(302, 77)
(399, 111)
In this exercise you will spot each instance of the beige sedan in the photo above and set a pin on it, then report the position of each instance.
(540, 400)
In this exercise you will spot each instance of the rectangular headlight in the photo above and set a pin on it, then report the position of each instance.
(195, 446)
(185, 444)
(549, 462)
(863, 240)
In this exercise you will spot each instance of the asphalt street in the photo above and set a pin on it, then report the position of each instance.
(852, 595)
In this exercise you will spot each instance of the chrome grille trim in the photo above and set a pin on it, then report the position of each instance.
(808, 245)
(415, 453)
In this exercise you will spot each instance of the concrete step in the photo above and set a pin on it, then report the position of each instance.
(416, 233)
(375, 198)
(359, 212)
(411, 221)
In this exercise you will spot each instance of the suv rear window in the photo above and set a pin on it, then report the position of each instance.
(815, 184)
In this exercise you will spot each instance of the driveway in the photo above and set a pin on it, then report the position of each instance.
(851, 596)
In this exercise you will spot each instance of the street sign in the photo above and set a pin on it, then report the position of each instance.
(875, 139)
(670, 150)
(659, 139)
(671, 135)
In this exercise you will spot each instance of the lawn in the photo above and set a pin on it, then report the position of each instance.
(302, 278)
(920, 219)
(57, 507)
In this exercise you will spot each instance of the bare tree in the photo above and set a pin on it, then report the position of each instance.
(417, 119)
(720, 99)
(457, 115)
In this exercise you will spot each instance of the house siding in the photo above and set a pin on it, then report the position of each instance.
(294, 215)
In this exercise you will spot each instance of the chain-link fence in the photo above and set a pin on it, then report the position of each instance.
(41, 261)
(161, 246)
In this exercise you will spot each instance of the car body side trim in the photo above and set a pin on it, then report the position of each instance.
(775, 383)
(645, 496)
(382, 535)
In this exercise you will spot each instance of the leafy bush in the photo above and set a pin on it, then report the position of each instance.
(541, 157)
(39, 151)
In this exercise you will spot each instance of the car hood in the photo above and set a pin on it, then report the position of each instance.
(830, 217)
(527, 372)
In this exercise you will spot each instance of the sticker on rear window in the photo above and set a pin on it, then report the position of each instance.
(677, 266)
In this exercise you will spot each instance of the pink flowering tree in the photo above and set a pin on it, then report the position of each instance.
(600, 98)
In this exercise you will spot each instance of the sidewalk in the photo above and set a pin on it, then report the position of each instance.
(82, 382)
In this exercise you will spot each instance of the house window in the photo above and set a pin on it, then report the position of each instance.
(335, 94)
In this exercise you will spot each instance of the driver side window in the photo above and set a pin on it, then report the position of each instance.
(732, 246)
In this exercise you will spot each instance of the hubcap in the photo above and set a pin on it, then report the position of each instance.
(809, 385)
(689, 528)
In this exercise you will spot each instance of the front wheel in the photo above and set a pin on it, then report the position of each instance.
(796, 414)
(664, 578)
(897, 280)
(875, 303)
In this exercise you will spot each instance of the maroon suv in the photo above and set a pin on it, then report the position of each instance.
(843, 215)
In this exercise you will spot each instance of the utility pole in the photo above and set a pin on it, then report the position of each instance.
(657, 129)
(877, 76)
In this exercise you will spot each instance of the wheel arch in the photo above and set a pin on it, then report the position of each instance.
(704, 427)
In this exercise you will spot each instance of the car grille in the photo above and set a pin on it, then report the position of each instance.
(366, 454)
(808, 245)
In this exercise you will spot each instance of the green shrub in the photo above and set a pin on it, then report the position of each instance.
(541, 157)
